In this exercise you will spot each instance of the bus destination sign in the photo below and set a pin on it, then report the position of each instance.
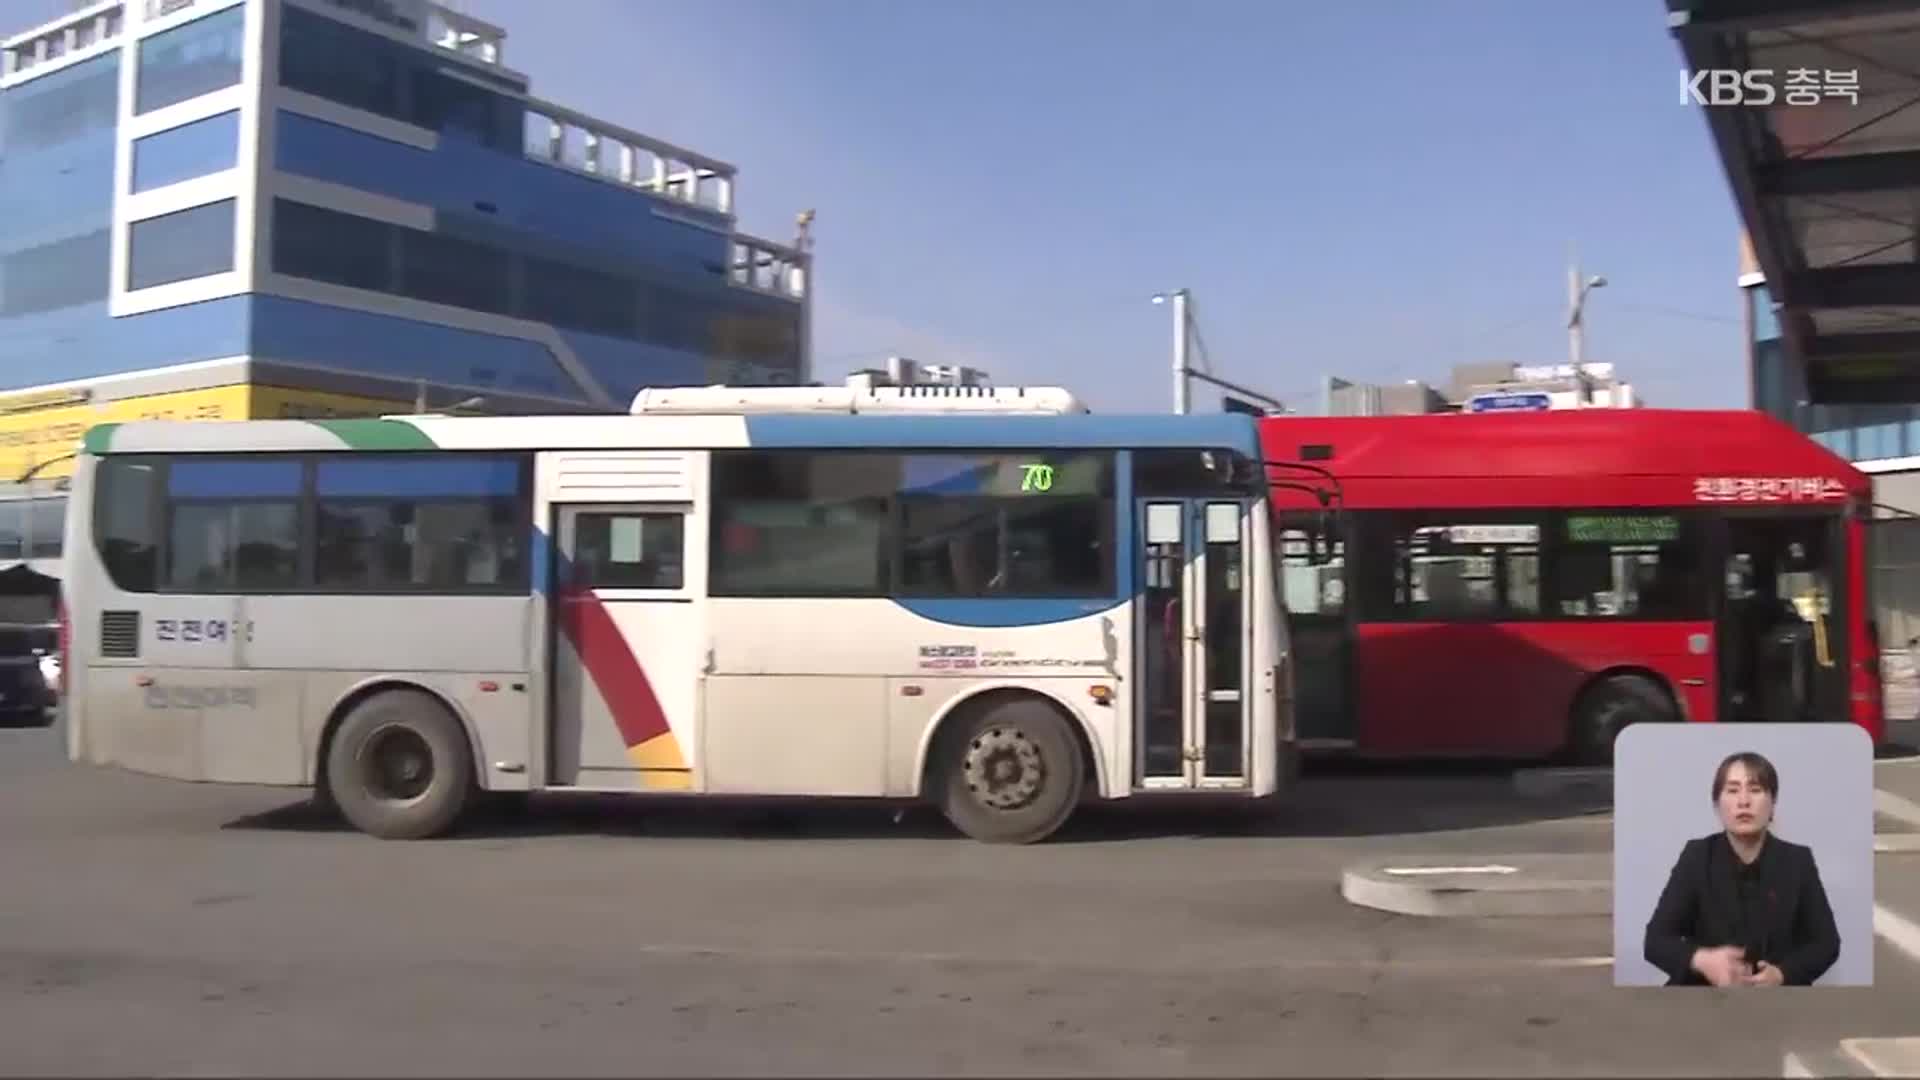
(1768, 489)
(1622, 529)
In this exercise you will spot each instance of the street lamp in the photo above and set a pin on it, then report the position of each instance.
(1576, 324)
(420, 399)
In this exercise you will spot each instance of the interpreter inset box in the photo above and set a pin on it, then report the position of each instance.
(1743, 855)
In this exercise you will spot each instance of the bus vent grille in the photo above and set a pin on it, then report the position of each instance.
(120, 634)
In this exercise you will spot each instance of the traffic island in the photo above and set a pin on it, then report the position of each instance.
(1856, 1057)
(1522, 886)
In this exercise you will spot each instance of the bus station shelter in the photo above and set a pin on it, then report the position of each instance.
(1820, 140)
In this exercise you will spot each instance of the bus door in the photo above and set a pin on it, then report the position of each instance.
(1193, 638)
(1312, 567)
(1781, 625)
(624, 646)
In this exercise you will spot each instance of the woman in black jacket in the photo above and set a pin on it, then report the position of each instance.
(1743, 907)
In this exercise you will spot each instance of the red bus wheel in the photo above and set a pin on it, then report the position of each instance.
(1609, 707)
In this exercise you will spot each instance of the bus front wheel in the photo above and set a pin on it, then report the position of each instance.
(399, 767)
(1609, 707)
(1011, 774)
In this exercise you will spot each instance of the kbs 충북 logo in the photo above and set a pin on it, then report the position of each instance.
(1765, 86)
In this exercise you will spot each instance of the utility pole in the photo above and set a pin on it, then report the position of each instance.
(1182, 337)
(1183, 373)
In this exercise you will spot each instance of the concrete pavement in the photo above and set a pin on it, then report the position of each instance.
(1533, 885)
(181, 929)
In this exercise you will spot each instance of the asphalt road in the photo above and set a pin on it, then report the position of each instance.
(154, 927)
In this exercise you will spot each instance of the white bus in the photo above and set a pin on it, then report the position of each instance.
(1002, 615)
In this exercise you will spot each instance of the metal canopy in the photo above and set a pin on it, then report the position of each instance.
(1830, 190)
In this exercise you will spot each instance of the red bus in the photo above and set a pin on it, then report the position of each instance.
(1525, 585)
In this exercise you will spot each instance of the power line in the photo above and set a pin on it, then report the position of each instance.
(1676, 313)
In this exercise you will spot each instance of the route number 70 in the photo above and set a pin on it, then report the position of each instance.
(1036, 478)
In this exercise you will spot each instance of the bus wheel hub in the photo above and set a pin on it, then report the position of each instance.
(1003, 769)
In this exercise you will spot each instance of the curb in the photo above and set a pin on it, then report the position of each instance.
(1820, 1064)
(1855, 1057)
(1896, 807)
(1513, 886)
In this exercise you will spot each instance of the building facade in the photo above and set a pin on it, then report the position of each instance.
(1486, 387)
(245, 208)
(1874, 437)
(226, 209)
(1881, 440)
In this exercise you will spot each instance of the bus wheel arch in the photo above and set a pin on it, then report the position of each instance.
(1026, 719)
(406, 712)
(1610, 701)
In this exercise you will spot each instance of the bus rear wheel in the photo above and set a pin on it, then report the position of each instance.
(1609, 707)
(399, 766)
(1011, 774)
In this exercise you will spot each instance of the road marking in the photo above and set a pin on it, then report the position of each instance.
(1239, 960)
(1898, 931)
(1574, 961)
(1414, 871)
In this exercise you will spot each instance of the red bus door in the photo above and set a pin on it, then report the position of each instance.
(1313, 567)
(1783, 615)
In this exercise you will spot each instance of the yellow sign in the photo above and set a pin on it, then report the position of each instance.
(283, 403)
(43, 399)
(30, 438)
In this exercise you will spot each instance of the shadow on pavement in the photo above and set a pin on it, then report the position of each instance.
(1330, 801)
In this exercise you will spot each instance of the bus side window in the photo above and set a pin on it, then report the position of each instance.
(1626, 565)
(629, 550)
(124, 518)
(1312, 565)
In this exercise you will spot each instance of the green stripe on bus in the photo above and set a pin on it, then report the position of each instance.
(98, 438)
(378, 434)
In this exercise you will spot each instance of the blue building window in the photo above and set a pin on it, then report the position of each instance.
(201, 148)
(190, 60)
(58, 108)
(348, 66)
(181, 246)
(345, 249)
(325, 245)
(1766, 324)
(443, 269)
(65, 273)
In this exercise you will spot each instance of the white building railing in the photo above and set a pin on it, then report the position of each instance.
(573, 140)
(63, 36)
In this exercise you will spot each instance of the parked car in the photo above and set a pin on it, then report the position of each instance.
(27, 654)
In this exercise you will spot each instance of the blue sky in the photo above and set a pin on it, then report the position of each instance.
(1377, 190)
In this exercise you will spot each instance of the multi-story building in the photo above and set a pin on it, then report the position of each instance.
(245, 208)
(1487, 387)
